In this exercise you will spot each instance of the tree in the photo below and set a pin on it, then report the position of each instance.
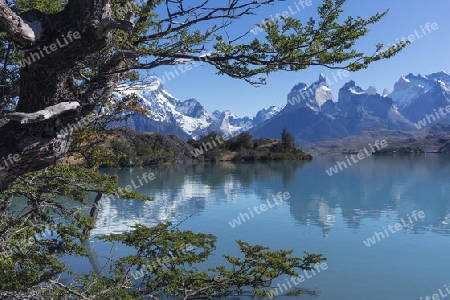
(287, 140)
(62, 60)
(75, 53)
(243, 141)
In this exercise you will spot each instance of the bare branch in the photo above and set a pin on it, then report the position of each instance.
(186, 18)
(45, 114)
(68, 289)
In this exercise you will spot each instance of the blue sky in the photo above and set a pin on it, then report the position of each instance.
(427, 54)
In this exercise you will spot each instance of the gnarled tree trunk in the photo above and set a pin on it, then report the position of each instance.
(54, 44)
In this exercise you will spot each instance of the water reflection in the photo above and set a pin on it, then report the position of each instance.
(395, 185)
(379, 186)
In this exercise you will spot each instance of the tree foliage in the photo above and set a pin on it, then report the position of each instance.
(287, 140)
(242, 147)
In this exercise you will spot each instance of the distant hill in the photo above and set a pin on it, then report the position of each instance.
(435, 139)
(126, 147)
(312, 114)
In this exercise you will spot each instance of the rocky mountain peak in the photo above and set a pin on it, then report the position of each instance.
(313, 96)
(418, 95)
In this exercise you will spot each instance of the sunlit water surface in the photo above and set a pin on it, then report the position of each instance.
(332, 215)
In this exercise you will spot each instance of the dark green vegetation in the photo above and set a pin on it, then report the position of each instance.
(130, 148)
(244, 147)
(124, 147)
(41, 201)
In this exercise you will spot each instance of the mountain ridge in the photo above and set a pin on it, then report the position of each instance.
(311, 113)
(188, 118)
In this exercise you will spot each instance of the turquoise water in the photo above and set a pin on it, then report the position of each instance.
(333, 215)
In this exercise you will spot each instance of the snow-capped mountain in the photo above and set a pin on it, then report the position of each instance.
(168, 114)
(226, 122)
(418, 95)
(317, 96)
(312, 114)
(187, 119)
(361, 110)
(266, 114)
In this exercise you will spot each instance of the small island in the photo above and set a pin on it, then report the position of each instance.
(243, 147)
(125, 147)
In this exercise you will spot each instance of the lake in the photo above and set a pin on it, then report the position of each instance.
(383, 224)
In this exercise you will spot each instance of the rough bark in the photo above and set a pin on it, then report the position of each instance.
(54, 44)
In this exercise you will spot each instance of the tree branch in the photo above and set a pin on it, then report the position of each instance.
(201, 13)
(18, 29)
(45, 114)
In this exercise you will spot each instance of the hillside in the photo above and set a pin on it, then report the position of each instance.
(435, 139)
(125, 147)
